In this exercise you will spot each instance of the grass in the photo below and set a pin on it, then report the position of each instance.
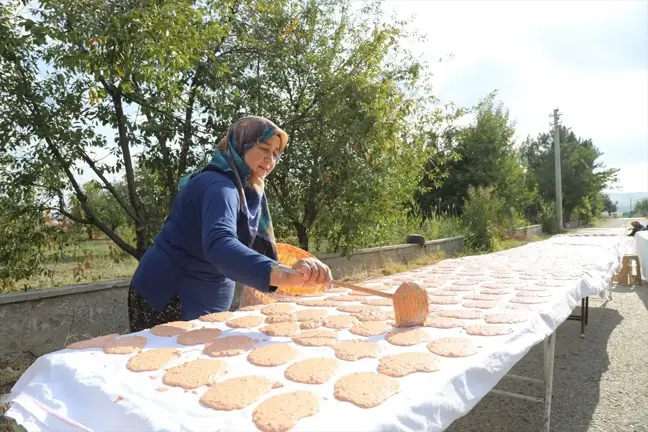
(72, 272)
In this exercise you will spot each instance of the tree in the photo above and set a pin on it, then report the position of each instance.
(609, 206)
(641, 206)
(138, 70)
(487, 157)
(583, 178)
(342, 87)
(139, 93)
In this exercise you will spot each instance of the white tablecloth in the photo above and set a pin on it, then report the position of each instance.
(89, 390)
(641, 249)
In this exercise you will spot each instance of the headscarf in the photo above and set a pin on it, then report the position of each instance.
(256, 226)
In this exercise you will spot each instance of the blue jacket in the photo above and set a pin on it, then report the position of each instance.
(198, 254)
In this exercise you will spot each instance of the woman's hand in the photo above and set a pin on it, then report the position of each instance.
(313, 273)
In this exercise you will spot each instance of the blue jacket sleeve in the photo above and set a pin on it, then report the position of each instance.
(220, 242)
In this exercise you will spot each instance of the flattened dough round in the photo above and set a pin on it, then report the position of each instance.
(249, 321)
(173, 328)
(125, 345)
(277, 308)
(488, 330)
(280, 318)
(370, 328)
(444, 300)
(528, 300)
(375, 315)
(229, 346)
(365, 389)
(312, 324)
(339, 322)
(272, 416)
(96, 342)
(381, 301)
(152, 359)
(480, 304)
(355, 349)
(316, 337)
(505, 318)
(273, 355)
(310, 314)
(346, 298)
(400, 365)
(318, 303)
(452, 347)
(483, 297)
(443, 322)
(355, 308)
(283, 329)
(236, 393)
(199, 336)
(406, 336)
(533, 294)
(195, 373)
(493, 292)
(460, 314)
(312, 371)
(217, 317)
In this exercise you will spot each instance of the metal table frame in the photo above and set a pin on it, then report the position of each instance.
(549, 350)
(583, 317)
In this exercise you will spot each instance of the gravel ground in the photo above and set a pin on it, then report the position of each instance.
(600, 382)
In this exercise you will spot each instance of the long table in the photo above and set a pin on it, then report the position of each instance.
(543, 282)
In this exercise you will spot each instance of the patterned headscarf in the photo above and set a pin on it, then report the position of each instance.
(228, 159)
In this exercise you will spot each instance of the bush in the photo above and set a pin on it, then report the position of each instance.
(547, 217)
(482, 212)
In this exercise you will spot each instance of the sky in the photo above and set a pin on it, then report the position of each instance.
(589, 59)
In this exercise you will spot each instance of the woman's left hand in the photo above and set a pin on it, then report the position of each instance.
(314, 271)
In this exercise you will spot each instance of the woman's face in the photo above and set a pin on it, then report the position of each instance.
(262, 157)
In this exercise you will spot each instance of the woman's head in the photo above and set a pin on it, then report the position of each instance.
(258, 142)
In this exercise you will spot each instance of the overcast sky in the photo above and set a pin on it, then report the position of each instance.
(587, 58)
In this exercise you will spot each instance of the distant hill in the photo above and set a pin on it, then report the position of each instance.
(626, 201)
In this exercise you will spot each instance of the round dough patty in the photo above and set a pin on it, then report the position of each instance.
(236, 393)
(217, 317)
(406, 336)
(125, 345)
(370, 328)
(195, 373)
(365, 389)
(273, 355)
(229, 346)
(353, 350)
(199, 336)
(400, 365)
(452, 347)
(152, 359)
(316, 337)
(312, 371)
(283, 329)
(249, 321)
(272, 416)
(173, 328)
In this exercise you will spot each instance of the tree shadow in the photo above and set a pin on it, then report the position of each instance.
(578, 367)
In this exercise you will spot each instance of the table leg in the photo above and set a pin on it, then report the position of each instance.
(549, 348)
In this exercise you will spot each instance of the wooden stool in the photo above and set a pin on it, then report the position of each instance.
(626, 276)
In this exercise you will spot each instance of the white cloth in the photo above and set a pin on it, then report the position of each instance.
(641, 249)
(89, 390)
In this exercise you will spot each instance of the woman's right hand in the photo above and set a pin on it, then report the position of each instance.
(313, 273)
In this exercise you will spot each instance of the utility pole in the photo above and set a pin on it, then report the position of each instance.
(559, 206)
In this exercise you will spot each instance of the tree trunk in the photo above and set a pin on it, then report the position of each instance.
(302, 236)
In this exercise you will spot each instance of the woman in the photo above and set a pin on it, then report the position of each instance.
(218, 231)
(636, 227)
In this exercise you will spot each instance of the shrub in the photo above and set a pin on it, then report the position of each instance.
(481, 213)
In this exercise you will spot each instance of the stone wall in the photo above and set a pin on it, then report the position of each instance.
(45, 320)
